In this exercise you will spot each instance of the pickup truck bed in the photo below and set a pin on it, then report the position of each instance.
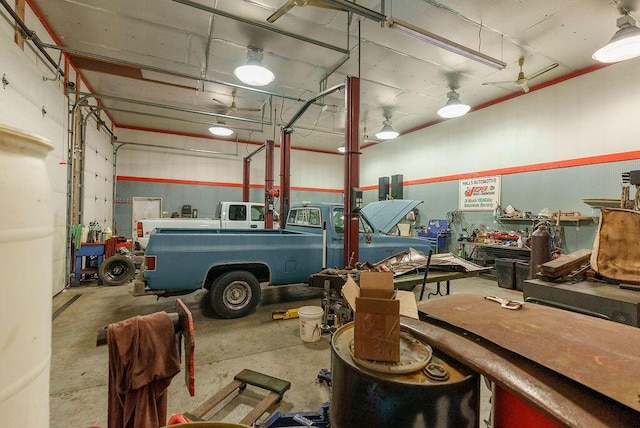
(232, 263)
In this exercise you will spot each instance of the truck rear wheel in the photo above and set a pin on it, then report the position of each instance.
(235, 294)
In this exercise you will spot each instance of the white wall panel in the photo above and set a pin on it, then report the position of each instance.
(308, 169)
(21, 105)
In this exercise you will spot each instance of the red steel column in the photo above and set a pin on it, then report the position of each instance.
(351, 173)
(268, 185)
(246, 179)
(285, 176)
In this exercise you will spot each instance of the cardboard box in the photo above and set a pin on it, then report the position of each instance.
(377, 308)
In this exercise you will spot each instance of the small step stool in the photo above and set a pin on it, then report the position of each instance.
(277, 388)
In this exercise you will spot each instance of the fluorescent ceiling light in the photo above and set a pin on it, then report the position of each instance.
(441, 42)
(254, 73)
(387, 132)
(454, 107)
(625, 43)
(220, 129)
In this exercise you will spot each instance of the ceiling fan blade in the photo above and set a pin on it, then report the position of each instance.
(215, 100)
(524, 87)
(504, 82)
(248, 109)
(281, 11)
(544, 70)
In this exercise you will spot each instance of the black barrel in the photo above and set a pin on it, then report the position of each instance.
(365, 398)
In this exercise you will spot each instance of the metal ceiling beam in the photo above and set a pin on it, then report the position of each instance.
(162, 116)
(357, 9)
(261, 25)
(170, 107)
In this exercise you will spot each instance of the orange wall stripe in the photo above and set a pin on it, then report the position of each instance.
(592, 160)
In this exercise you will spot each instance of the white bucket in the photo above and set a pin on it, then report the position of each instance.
(310, 323)
(26, 259)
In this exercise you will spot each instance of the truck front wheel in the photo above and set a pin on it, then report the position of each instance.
(235, 294)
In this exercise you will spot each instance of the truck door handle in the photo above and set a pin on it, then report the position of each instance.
(254, 226)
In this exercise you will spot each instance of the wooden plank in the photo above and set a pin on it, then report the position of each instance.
(216, 399)
(565, 264)
(262, 407)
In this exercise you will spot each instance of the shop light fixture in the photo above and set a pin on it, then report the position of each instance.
(625, 43)
(220, 129)
(254, 73)
(426, 36)
(454, 107)
(387, 132)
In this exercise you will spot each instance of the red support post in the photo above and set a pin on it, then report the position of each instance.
(352, 174)
(246, 180)
(269, 191)
(285, 176)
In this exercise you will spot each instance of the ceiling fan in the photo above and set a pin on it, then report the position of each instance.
(523, 81)
(233, 108)
(286, 7)
(366, 139)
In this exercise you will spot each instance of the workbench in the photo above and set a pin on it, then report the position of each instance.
(437, 277)
(88, 249)
(496, 251)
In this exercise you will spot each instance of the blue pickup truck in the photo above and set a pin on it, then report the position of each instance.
(232, 263)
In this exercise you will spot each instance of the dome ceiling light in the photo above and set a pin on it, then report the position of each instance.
(625, 43)
(387, 132)
(220, 129)
(254, 73)
(454, 107)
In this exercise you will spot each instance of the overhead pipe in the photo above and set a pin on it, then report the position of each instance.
(285, 175)
(180, 149)
(31, 35)
(161, 116)
(170, 107)
(269, 190)
(260, 25)
(308, 103)
(352, 174)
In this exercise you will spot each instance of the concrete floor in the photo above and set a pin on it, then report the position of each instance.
(79, 369)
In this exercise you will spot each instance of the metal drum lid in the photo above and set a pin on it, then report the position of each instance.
(414, 356)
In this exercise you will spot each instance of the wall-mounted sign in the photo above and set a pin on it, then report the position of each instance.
(479, 194)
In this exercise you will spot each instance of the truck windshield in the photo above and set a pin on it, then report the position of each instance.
(257, 213)
(338, 222)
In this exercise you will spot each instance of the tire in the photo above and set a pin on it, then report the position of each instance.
(117, 270)
(235, 294)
